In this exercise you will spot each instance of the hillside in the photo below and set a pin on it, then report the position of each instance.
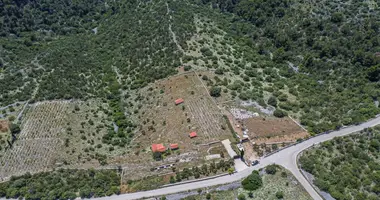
(105, 73)
(346, 167)
(318, 59)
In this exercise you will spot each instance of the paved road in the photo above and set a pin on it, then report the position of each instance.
(286, 158)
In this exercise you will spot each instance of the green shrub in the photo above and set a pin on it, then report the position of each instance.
(253, 181)
(279, 113)
(279, 195)
(215, 91)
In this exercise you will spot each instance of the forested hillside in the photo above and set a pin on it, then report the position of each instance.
(317, 61)
(347, 167)
(329, 48)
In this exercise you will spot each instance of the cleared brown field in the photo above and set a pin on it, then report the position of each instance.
(273, 130)
(4, 126)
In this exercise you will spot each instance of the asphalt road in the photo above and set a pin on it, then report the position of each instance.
(286, 158)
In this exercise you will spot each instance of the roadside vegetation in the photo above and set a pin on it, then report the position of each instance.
(347, 167)
(62, 184)
(273, 182)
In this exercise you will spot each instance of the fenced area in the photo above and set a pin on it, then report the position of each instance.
(56, 134)
(38, 143)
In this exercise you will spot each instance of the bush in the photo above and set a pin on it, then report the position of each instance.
(280, 195)
(187, 68)
(279, 113)
(215, 91)
(253, 181)
(271, 169)
(15, 128)
(272, 101)
(241, 197)
(157, 156)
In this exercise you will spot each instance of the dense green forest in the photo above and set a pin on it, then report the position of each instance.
(318, 61)
(327, 50)
(348, 167)
(62, 184)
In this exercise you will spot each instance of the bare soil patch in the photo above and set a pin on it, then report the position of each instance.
(4, 126)
(271, 130)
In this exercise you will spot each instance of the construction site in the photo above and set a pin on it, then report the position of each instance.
(261, 134)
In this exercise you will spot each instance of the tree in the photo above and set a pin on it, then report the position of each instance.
(279, 113)
(373, 73)
(253, 181)
(15, 129)
(280, 195)
(215, 91)
(241, 196)
(172, 179)
(337, 17)
(157, 156)
(187, 68)
(208, 196)
(271, 169)
(272, 101)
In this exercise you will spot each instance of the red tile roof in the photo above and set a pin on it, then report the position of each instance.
(179, 101)
(158, 148)
(193, 134)
(173, 146)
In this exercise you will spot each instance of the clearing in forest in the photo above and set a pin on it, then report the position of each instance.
(165, 122)
(273, 130)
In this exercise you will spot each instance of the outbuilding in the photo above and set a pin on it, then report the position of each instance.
(193, 135)
(179, 101)
(174, 146)
(158, 148)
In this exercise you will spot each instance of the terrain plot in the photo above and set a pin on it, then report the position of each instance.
(163, 122)
(273, 130)
(54, 134)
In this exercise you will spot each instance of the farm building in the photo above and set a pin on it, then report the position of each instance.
(179, 101)
(158, 148)
(174, 146)
(193, 134)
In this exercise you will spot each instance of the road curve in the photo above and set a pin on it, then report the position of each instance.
(286, 158)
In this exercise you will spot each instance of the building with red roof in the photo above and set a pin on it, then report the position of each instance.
(158, 148)
(179, 101)
(193, 134)
(174, 146)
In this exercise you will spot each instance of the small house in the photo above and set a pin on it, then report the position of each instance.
(193, 134)
(158, 148)
(174, 146)
(179, 101)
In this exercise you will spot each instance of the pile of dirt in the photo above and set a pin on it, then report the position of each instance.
(4, 126)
